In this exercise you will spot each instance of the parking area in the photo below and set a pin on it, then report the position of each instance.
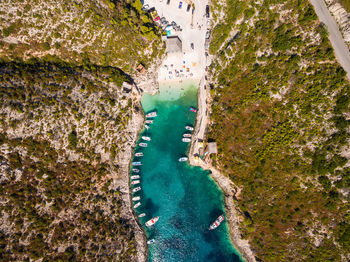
(190, 25)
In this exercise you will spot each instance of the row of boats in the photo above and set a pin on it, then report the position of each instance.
(186, 138)
(135, 177)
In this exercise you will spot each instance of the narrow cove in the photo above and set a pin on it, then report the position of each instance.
(185, 198)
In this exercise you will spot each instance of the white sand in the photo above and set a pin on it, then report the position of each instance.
(194, 27)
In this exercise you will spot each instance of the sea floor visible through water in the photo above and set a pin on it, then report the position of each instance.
(185, 197)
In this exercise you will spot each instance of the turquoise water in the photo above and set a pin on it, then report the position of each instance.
(185, 198)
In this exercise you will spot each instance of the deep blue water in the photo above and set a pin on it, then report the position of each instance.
(185, 198)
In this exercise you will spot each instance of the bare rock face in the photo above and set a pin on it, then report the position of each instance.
(342, 17)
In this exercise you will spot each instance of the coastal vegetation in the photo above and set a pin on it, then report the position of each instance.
(105, 32)
(66, 126)
(346, 4)
(280, 116)
(62, 129)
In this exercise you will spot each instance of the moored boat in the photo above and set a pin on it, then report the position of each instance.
(147, 138)
(190, 128)
(142, 215)
(151, 241)
(187, 135)
(186, 139)
(193, 109)
(137, 205)
(136, 189)
(137, 163)
(217, 222)
(183, 159)
(152, 221)
(135, 182)
(135, 170)
(147, 127)
(139, 154)
(151, 114)
(143, 145)
(149, 121)
(135, 177)
(137, 198)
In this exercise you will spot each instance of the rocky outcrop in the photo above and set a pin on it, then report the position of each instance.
(342, 17)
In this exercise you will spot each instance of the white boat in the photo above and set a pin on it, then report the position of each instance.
(135, 177)
(137, 198)
(136, 189)
(135, 182)
(183, 159)
(186, 140)
(152, 221)
(217, 222)
(149, 121)
(190, 128)
(142, 215)
(151, 114)
(137, 205)
(147, 127)
(135, 170)
(187, 135)
(137, 163)
(143, 145)
(151, 241)
(147, 138)
(139, 154)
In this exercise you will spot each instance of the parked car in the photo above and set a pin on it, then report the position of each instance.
(173, 23)
(192, 45)
(145, 7)
(168, 2)
(207, 11)
(188, 7)
(180, 5)
(207, 34)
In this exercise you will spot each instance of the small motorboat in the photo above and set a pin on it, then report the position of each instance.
(217, 222)
(147, 127)
(142, 215)
(139, 154)
(147, 138)
(135, 182)
(151, 241)
(137, 198)
(151, 114)
(137, 163)
(190, 128)
(187, 135)
(143, 145)
(152, 221)
(183, 159)
(186, 139)
(135, 170)
(136, 189)
(149, 121)
(137, 205)
(193, 109)
(135, 177)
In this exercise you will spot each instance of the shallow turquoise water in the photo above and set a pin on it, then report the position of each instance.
(185, 198)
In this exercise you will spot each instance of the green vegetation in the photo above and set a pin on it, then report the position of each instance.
(279, 104)
(53, 112)
(107, 32)
(346, 4)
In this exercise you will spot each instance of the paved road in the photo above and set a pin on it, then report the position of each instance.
(341, 49)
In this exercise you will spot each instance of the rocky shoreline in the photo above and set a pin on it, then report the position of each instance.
(226, 185)
(144, 83)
